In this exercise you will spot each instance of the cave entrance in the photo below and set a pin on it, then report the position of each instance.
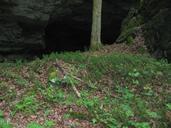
(70, 29)
(61, 36)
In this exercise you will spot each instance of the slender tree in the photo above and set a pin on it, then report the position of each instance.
(96, 24)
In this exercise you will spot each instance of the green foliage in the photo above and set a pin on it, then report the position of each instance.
(129, 26)
(3, 122)
(28, 105)
(120, 64)
(70, 80)
(49, 124)
(6, 93)
(140, 124)
(168, 106)
(152, 114)
(53, 76)
(119, 111)
(130, 40)
(134, 75)
(8, 74)
(34, 125)
(134, 70)
(19, 80)
(1, 114)
(135, 97)
(66, 56)
(52, 94)
(126, 66)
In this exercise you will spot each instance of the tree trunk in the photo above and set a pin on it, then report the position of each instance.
(96, 24)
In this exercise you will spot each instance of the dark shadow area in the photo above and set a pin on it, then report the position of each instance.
(70, 29)
(61, 26)
(63, 37)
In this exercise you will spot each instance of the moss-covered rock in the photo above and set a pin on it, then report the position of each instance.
(130, 26)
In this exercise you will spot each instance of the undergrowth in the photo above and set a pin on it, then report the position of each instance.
(117, 90)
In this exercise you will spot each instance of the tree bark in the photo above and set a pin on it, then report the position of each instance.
(96, 24)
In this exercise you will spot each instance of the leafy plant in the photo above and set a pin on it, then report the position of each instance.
(52, 94)
(1, 114)
(140, 124)
(49, 124)
(136, 96)
(4, 124)
(28, 105)
(34, 125)
(21, 81)
(168, 106)
(134, 75)
(130, 40)
(152, 114)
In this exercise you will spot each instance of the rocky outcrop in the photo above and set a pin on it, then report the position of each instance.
(154, 17)
(34, 25)
(22, 24)
(70, 23)
(158, 27)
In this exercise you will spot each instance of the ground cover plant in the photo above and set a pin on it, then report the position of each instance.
(87, 90)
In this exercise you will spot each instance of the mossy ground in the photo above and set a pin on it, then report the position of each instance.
(118, 90)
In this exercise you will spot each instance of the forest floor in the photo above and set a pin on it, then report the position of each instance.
(119, 86)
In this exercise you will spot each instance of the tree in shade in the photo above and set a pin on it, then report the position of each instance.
(96, 24)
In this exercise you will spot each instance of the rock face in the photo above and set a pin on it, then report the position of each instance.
(158, 27)
(70, 23)
(154, 17)
(22, 24)
(34, 25)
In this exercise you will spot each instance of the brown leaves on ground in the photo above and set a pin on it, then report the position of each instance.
(32, 72)
(136, 47)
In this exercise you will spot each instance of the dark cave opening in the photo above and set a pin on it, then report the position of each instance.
(65, 36)
(62, 36)
(70, 29)
(65, 27)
